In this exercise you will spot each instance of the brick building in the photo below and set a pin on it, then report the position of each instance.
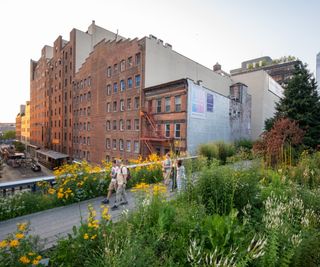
(19, 122)
(51, 88)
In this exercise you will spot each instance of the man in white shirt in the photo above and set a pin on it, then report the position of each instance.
(113, 182)
(121, 176)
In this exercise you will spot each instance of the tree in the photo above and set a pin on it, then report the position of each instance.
(20, 147)
(9, 135)
(277, 143)
(300, 103)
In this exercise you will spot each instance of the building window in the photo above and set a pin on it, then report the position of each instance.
(108, 107)
(84, 140)
(136, 124)
(137, 80)
(136, 147)
(121, 127)
(114, 125)
(159, 102)
(89, 96)
(108, 126)
(88, 155)
(88, 126)
(114, 106)
(88, 141)
(138, 59)
(109, 72)
(120, 144)
(122, 85)
(114, 144)
(177, 130)
(115, 88)
(128, 145)
(177, 103)
(167, 130)
(108, 143)
(129, 104)
(122, 65)
(167, 104)
(128, 124)
(121, 105)
(136, 102)
(209, 102)
(115, 68)
(108, 89)
(129, 82)
(129, 62)
(84, 126)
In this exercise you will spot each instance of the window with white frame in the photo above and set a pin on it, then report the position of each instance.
(167, 130)
(108, 126)
(114, 125)
(109, 89)
(129, 104)
(122, 65)
(114, 144)
(136, 147)
(128, 124)
(129, 82)
(137, 80)
(159, 103)
(128, 145)
(167, 104)
(121, 126)
(115, 88)
(122, 85)
(177, 103)
(120, 144)
(109, 71)
(177, 130)
(136, 124)
(108, 107)
(121, 105)
(136, 102)
(108, 143)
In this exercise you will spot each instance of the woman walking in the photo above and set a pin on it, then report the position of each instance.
(181, 176)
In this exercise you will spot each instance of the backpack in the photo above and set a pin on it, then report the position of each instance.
(128, 174)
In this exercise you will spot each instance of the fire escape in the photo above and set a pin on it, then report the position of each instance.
(152, 133)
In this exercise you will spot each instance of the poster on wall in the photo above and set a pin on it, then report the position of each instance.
(198, 100)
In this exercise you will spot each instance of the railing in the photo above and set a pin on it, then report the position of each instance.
(31, 183)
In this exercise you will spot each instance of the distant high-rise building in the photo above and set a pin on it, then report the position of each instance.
(318, 71)
(281, 70)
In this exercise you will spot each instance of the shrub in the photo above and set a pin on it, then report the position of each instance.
(244, 144)
(218, 150)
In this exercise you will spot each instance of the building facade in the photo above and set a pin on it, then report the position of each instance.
(25, 124)
(280, 70)
(19, 121)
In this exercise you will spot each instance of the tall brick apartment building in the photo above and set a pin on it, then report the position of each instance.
(51, 79)
(98, 95)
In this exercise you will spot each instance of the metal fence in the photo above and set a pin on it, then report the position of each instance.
(31, 183)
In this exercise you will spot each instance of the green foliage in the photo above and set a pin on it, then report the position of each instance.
(217, 150)
(243, 143)
(20, 147)
(301, 103)
(8, 135)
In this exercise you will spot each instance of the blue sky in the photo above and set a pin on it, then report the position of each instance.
(227, 32)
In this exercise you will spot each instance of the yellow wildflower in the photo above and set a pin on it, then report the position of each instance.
(86, 236)
(14, 243)
(24, 260)
(31, 254)
(35, 262)
(3, 244)
(19, 236)
(60, 195)
(51, 191)
(93, 237)
(22, 226)
(38, 258)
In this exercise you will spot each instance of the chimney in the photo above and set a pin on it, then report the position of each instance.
(216, 67)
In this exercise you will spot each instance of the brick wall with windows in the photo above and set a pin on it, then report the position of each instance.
(116, 75)
(167, 104)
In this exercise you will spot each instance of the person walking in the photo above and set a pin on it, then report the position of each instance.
(181, 176)
(121, 196)
(167, 168)
(113, 182)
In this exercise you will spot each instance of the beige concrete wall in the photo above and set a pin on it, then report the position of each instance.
(164, 65)
(263, 100)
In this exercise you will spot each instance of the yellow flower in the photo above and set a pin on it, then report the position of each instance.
(35, 262)
(38, 258)
(31, 254)
(14, 243)
(19, 236)
(22, 226)
(93, 237)
(60, 195)
(3, 244)
(24, 260)
(86, 236)
(51, 191)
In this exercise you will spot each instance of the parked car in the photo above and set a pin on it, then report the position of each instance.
(35, 167)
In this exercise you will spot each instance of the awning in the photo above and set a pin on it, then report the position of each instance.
(52, 154)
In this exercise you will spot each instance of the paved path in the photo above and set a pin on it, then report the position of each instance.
(52, 224)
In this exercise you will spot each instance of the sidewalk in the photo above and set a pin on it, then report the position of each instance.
(52, 224)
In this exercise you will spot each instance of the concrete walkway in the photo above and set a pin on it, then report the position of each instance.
(50, 225)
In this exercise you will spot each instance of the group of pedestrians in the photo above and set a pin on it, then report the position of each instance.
(173, 175)
(118, 183)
